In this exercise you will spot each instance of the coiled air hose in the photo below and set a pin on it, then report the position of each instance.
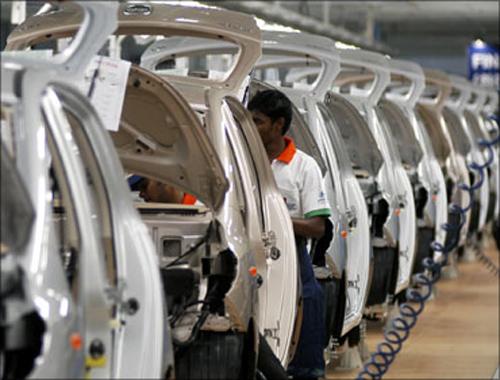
(386, 351)
(483, 258)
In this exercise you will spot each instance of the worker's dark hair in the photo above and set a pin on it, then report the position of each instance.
(273, 104)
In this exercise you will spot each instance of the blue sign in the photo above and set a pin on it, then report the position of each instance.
(483, 64)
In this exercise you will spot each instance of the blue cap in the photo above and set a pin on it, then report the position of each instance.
(134, 180)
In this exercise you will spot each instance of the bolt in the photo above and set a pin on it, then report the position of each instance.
(96, 349)
(131, 306)
(275, 253)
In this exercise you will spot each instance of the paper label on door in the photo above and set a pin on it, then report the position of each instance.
(105, 82)
(18, 12)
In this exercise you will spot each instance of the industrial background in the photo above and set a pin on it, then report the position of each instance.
(434, 34)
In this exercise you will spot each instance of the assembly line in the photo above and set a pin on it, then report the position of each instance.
(237, 203)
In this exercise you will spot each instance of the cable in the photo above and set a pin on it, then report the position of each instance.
(386, 351)
(95, 75)
(194, 332)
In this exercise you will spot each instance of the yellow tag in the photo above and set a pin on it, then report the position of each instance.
(114, 323)
(4, 248)
(93, 363)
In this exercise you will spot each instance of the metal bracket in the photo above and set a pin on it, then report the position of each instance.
(460, 84)
(415, 74)
(375, 62)
(99, 21)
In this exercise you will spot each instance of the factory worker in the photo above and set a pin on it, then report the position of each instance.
(151, 190)
(299, 180)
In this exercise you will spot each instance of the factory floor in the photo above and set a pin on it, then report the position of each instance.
(457, 335)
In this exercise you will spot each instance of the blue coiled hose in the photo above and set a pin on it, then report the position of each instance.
(386, 351)
(488, 263)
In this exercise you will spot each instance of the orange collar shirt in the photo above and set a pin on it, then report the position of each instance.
(299, 180)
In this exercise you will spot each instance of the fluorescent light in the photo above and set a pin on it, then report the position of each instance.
(186, 3)
(45, 7)
(342, 45)
(264, 25)
(479, 42)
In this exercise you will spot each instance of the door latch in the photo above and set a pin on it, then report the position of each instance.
(269, 239)
(115, 295)
(352, 220)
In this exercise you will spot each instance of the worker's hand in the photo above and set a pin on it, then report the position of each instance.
(309, 228)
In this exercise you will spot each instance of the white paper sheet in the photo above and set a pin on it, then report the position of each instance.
(18, 12)
(105, 83)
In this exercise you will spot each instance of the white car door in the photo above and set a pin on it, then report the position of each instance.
(279, 296)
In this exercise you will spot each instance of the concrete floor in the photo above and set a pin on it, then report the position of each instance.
(457, 335)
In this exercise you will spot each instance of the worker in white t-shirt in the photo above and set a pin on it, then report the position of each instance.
(299, 179)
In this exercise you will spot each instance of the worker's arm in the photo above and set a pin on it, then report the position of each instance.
(310, 227)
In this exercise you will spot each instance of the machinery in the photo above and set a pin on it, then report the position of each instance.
(363, 80)
(230, 256)
(490, 116)
(350, 221)
(276, 259)
(482, 126)
(455, 111)
(449, 145)
(489, 113)
(349, 253)
(407, 85)
(96, 283)
(395, 123)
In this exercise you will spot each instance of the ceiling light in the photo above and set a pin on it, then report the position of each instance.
(479, 42)
(342, 45)
(264, 25)
(185, 3)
